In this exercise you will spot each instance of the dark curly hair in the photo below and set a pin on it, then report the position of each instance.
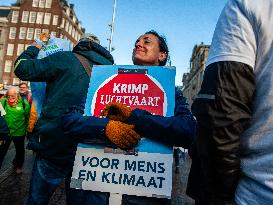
(162, 45)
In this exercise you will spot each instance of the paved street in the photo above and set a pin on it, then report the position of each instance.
(13, 187)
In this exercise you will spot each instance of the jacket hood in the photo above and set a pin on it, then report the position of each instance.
(94, 52)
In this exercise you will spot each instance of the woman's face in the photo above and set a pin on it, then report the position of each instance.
(147, 52)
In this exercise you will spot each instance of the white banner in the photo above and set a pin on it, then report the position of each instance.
(117, 171)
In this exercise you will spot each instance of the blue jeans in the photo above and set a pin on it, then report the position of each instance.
(46, 177)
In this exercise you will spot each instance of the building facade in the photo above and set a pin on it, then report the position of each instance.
(192, 81)
(27, 20)
(4, 13)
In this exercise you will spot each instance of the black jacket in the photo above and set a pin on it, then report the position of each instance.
(4, 131)
(67, 84)
(223, 110)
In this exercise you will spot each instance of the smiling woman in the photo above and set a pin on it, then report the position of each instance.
(150, 50)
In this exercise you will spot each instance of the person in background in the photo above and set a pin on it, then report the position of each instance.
(233, 156)
(24, 92)
(67, 75)
(179, 130)
(32, 120)
(16, 117)
(4, 131)
(2, 94)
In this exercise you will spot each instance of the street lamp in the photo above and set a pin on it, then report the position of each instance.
(112, 27)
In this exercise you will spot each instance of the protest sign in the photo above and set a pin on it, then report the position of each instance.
(38, 89)
(147, 169)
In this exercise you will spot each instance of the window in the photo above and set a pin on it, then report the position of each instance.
(15, 15)
(42, 3)
(73, 32)
(32, 17)
(25, 16)
(45, 30)
(37, 33)
(79, 36)
(48, 3)
(70, 29)
(20, 49)
(47, 18)
(40, 16)
(74, 19)
(55, 20)
(16, 81)
(8, 66)
(35, 3)
(66, 26)
(10, 49)
(23, 32)
(63, 22)
(12, 33)
(30, 33)
(67, 11)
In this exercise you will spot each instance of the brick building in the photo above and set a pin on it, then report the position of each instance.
(192, 81)
(27, 19)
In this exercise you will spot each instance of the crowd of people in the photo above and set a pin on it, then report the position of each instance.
(228, 130)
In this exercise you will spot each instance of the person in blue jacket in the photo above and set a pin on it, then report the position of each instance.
(179, 130)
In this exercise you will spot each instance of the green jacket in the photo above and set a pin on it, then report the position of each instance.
(16, 117)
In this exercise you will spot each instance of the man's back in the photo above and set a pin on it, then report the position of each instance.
(67, 84)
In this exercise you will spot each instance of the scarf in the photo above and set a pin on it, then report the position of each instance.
(11, 104)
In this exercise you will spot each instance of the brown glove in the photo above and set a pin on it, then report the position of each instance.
(116, 111)
(122, 134)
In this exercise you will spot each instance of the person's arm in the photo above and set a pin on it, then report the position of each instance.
(223, 110)
(89, 129)
(28, 68)
(178, 130)
(32, 117)
(83, 127)
(3, 130)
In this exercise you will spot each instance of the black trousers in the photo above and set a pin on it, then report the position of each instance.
(136, 200)
(19, 143)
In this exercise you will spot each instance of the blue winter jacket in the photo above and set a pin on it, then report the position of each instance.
(178, 130)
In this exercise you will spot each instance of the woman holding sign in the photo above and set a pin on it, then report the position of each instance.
(179, 130)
